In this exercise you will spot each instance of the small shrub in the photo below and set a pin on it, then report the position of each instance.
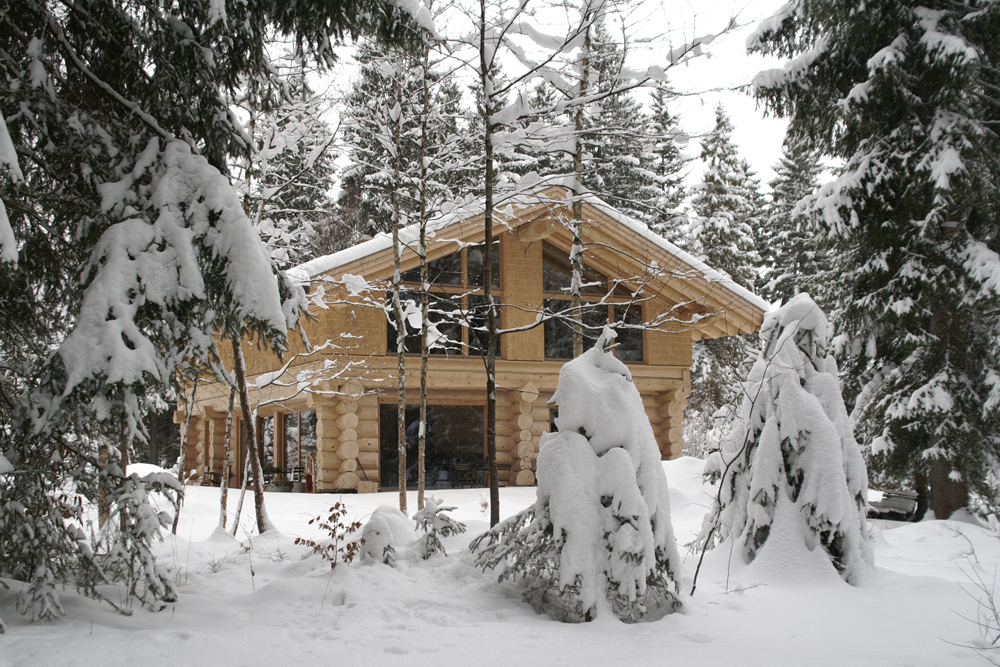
(338, 547)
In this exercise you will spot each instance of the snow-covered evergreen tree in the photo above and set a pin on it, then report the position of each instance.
(791, 471)
(664, 144)
(599, 537)
(723, 208)
(372, 110)
(123, 251)
(905, 95)
(724, 216)
(791, 248)
(291, 173)
(617, 168)
(436, 522)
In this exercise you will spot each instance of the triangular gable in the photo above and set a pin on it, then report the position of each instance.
(726, 307)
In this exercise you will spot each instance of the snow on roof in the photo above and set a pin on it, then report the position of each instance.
(381, 241)
(407, 235)
(710, 274)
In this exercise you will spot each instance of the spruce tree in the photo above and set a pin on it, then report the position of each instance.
(291, 174)
(722, 206)
(791, 471)
(132, 251)
(905, 96)
(664, 144)
(618, 169)
(723, 236)
(599, 535)
(365, 206)
(794, 257)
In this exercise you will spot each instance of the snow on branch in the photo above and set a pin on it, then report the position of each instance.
(793, 481)
(8, 164)
(181, 260)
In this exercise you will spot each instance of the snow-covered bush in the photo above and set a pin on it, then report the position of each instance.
(599, 535)
(124, 545)
(435, 522)
(386, 530)
(791, 465)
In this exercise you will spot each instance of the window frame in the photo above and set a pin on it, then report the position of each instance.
(461, 294)
(431, 404)
(607, 299)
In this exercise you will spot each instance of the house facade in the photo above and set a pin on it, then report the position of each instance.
(326, 413)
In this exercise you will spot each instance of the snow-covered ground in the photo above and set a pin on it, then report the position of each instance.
(276, 604)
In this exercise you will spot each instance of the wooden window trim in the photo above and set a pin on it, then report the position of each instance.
(465, 290)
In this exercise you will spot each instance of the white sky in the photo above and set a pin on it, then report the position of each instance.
(714, 78)
(704, 82)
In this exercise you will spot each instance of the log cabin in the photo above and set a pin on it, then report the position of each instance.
(326, 412)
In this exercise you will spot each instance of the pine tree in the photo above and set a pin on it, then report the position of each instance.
(756, 221)
(905, 96)
(365, 207)
(132, 251)
(546, 150)
(723, 235)
(600, 533)
(790, 245)
(665, 139)
(291, 173)
(791, 471)
(723, 207)
(619, 169)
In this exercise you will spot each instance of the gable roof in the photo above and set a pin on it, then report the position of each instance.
(714, 291)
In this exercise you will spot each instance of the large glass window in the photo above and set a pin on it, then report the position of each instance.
(444, 310)
(265, 441)
(456, 307)
(557, 273)
(455, 450)
(559, 332)
(599, 308)
(299, 430)
(476, 255)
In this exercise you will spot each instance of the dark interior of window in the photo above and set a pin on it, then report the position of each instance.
(447, 270)
(444, 312)
(475, 258)
(453, 305)
(559, 332)
(557, 275)
(455, 449)
(300, 438)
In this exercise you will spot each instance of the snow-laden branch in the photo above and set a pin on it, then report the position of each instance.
(10, 166)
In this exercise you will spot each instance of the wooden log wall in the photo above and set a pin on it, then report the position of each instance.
(665, 410)
(346, 432)
(521, 419)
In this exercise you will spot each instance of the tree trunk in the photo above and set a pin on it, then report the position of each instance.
(424, 285)
(576, 254)
(243, 493)
(103, 493)
(946, 495)
(396, 304)
(182, 454)
(124, 456)
(491, 320)
(224, 484)
(249, 430)
(155, 428)
(923, 496)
